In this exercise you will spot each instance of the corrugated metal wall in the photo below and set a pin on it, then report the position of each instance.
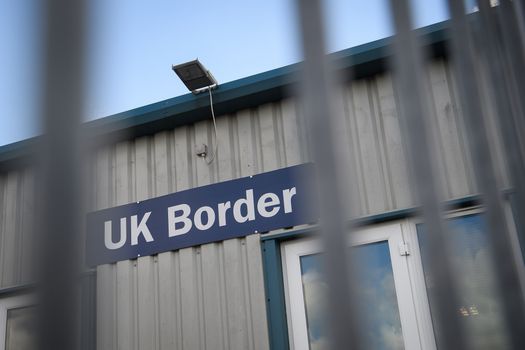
(212, 297)
(16, 212)
(207, 297)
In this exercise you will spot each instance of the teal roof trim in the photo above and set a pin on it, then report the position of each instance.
(360, 61)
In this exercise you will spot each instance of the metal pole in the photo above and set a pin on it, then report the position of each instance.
(59, 185)
(513, 51)
(319, 116)
(514, 46)
(411, 86)
(519, 13)
(501, 49)
(505, 267)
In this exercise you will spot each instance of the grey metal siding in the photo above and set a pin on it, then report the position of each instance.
(212, 296)
(16, 213)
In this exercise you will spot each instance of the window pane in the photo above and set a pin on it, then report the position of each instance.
(315, 290)
(480, 308)
(376, 293)
(20, 329)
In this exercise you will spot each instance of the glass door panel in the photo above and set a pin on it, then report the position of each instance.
(376, 293)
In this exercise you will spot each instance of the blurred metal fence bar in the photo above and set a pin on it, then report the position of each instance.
(513, 50)
(518, 12)
(513, 37)
(412, 86)
(500, 50)
(466, 77)
(319, 116)
(59, 187)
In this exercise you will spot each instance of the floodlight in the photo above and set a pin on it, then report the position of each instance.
(195, 76)
(198, 79)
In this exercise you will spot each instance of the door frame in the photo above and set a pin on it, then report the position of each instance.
(417, 333)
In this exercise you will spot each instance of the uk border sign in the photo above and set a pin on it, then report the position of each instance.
(216, 212)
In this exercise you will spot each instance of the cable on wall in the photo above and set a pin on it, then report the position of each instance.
(216, 148)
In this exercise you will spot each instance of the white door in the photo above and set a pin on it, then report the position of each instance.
(385, 292)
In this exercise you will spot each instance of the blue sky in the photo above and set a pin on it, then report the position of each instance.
(132, 45)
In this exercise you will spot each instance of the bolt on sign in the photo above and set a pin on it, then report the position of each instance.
(225, 210)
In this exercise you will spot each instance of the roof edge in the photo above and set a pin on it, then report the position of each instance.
(359, 61)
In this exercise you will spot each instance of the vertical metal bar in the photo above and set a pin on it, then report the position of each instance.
(519, 12)
(502, 55)
(316, 94)
(88, 324)
(59, 185)
(513, 34)
(411, 84)
(511, 62)
(505, 267)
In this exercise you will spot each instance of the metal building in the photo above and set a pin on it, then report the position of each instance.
(252, 292)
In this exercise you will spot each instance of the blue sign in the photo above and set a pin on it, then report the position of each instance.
(230, 209)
